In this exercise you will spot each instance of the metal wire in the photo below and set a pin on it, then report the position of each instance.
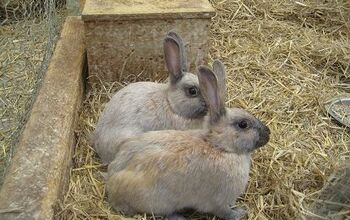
(28, 34)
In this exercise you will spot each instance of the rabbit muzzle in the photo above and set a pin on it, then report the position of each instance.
(264, 135)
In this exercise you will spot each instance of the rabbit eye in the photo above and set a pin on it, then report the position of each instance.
(192, 91)
(243, 124)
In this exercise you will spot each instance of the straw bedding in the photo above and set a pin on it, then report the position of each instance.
(283, 60)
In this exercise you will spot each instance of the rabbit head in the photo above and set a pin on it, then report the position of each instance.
(183, 94)
(231, 129)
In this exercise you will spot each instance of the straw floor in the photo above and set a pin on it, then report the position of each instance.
(284, 59)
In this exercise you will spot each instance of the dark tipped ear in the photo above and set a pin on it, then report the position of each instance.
(219, 70)
(209, 88)
(183, 55)
(172, 59)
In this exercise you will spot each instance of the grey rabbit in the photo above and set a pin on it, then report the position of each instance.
(164, 172)
(147, 106)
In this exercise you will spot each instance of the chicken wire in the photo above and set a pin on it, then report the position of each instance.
(28, 33)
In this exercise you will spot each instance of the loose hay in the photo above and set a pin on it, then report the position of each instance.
(283, 60)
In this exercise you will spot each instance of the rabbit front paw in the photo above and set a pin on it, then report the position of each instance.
(237, 213)
(230, 214)
(175, 217)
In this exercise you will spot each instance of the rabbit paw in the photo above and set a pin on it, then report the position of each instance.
(237, 213)
(175, 217)
(229, 214)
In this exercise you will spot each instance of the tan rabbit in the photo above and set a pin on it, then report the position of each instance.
(147, 106)
(164, 172)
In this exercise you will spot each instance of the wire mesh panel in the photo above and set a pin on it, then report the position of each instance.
(28, 32)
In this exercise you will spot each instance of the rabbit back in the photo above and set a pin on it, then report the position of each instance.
(121, 117)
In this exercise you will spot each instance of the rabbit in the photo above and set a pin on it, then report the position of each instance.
(146, 106)
(164, 172)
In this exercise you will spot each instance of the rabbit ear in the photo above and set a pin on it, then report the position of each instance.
(210, 91)
(172, 59)
(183, 55)
(219, 70)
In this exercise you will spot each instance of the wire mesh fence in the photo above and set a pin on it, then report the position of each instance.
(28, 33)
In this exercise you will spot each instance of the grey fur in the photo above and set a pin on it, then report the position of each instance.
(147, 106)
(162, 172)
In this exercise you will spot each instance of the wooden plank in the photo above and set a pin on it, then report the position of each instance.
(97, 10)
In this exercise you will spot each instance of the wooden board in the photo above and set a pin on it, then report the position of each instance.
(95, 10)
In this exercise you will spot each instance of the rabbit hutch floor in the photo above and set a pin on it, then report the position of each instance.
(284, 59)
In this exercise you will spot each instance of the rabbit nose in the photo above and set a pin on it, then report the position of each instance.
(267, 129)
(264, 135)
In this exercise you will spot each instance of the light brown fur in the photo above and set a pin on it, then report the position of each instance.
(178, 163)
